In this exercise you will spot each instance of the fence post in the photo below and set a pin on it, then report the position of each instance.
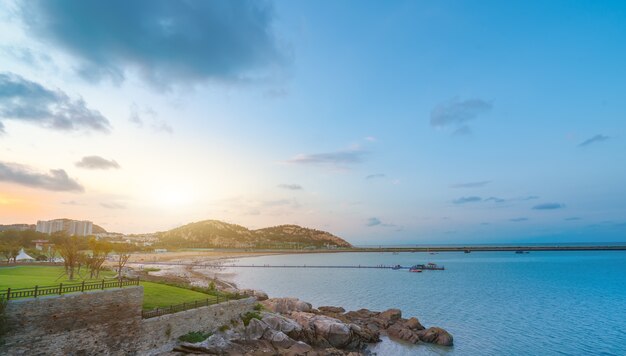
(36, 291)
(120, 283)
(218, 298)
(82, 287)
(60, 288)
(102, 283)
(8, 293)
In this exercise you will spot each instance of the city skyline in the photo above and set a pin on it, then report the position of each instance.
(381, 122)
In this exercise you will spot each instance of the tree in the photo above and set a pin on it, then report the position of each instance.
(68, 248)
(99, 252)
(123, 254)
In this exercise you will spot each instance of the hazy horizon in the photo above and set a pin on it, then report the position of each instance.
(397, 122)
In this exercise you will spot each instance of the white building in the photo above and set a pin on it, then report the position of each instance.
(72, 227)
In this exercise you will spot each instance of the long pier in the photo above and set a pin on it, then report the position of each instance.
(233, 265)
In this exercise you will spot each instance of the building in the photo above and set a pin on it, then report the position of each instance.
(71, 227)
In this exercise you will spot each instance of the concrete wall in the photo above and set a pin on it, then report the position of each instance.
(104, 322)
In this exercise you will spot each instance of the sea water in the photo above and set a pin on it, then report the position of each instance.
(493, 303)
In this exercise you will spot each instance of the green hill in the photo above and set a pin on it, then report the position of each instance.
(218, 234)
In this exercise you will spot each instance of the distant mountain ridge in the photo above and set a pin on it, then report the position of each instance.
(215, 233)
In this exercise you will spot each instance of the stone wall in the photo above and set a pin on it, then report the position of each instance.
(160, 334)
(105, 322)
(75, 324)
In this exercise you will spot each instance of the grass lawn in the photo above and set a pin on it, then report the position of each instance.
(161, 295)
(30, 276)
(154, 294)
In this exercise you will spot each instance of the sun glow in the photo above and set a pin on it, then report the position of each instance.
(172, 196)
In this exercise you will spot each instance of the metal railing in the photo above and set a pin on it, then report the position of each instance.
(61, 288)
(175, 308)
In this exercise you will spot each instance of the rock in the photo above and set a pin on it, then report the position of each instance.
(399, 331)
(278, 339)
(215, 344)
(414, 324)
(286, 305)
(281, 323)
(298, 349)
(321, 327)
(255, 329)
(436, 335)
(260, 295)
(391, 315)
(333, 310)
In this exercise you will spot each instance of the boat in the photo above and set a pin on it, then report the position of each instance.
(429, 266)
(396, 267)
(519, 252)
(467, 251)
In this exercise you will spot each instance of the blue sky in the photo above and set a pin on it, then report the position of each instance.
(382, 122)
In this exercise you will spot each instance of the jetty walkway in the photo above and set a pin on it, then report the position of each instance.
(233, 265)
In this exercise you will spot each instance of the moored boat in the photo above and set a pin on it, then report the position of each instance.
(429, 266)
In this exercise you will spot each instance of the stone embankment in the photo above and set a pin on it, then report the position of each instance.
(289, 326)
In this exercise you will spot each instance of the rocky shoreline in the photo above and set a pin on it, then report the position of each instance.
(289, 326)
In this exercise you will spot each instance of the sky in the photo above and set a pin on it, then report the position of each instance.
(395, 122)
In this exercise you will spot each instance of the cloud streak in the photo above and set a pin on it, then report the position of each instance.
(290, 186)
(465, 200)
(55, 180)
(373, 221)
(27, 101)
(592, 140)
(97, 162)
(337, 158)
(163, 41)
(458, 113)
(471, 184)
(113, 206)
(375, 176)
(548, 206)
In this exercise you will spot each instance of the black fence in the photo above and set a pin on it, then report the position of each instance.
(61, 288)
(186, 306)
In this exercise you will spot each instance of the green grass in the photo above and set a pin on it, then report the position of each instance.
(154, 294)
(249, 316)
(194, 336)
(30, 276)
(162, 295)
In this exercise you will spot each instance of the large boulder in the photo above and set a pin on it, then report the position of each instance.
(391, 315)
(414, 324)
(436, 335)
(331, 310)
(298, 349)
(337, 333)
(216, 344)
(255, 329)
(286, 305)
(281, 323)
(278, 338)
(401, 332)
(321, 330)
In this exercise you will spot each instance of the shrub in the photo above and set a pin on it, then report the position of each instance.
(249, 316)
(224, 328)
(258, 307)
(151, 269)
(194, 336)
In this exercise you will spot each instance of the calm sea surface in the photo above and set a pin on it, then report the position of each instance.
(493, 303)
